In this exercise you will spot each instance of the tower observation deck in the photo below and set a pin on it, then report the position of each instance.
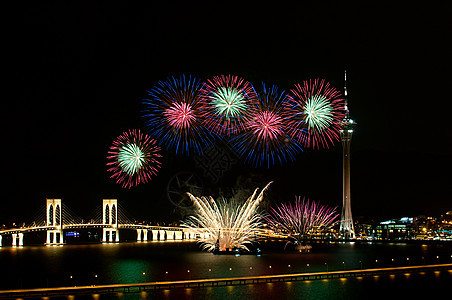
(346, 227)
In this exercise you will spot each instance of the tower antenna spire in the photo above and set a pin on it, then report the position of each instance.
(347, 113)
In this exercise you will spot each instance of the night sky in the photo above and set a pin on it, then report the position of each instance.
(79, 72)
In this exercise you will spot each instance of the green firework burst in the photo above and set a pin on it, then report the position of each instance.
(319, 113)
(229, 102)
(131, 158)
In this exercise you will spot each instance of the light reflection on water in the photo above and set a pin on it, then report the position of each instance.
(41, 266)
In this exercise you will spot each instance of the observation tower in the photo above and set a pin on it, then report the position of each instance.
(346, 229)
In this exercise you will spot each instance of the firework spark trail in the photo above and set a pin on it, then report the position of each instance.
(302, 218)
(133, 158)
(226, 102)
(233, 225)
(264, 141)
(314, 112)
(173, 115)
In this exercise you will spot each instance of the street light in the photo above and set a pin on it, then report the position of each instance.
(326, 267)
(343, 264)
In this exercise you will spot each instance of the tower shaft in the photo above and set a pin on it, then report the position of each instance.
(346, 227)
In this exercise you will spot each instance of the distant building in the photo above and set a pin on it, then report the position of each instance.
(395, 229)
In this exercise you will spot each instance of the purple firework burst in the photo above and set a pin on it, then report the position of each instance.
(302, 218)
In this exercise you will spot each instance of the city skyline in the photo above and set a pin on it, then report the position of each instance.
(81, 74)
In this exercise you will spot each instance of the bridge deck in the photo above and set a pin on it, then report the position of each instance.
(139, 287)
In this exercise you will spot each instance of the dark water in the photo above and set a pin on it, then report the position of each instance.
(41, 266)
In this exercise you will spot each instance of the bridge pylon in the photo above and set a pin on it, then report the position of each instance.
(54, 218)
(110, 217)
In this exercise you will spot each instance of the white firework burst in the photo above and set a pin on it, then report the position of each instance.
(226, 225)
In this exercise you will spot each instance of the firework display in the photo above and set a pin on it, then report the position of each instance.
(302, 219)
(265, 126)
(314, 112)
(226, 225)
(133, 158)
(227, 100)
(264, 141)
(173, 115)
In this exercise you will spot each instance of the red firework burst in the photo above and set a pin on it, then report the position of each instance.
(133, 158)
(314, 112)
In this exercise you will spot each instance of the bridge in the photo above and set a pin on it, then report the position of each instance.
(59, 218)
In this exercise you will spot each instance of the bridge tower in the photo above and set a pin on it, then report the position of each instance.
(110, 217)
(54, 219)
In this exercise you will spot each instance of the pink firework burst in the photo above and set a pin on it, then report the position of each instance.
(133, 158)
(264, 141)
(266, 125)
(314, 112)
(173, 113)
(302, 218)
(180, 115)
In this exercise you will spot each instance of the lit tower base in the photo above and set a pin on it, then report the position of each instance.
(110, 217)
(346, 229)
(54, 220)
